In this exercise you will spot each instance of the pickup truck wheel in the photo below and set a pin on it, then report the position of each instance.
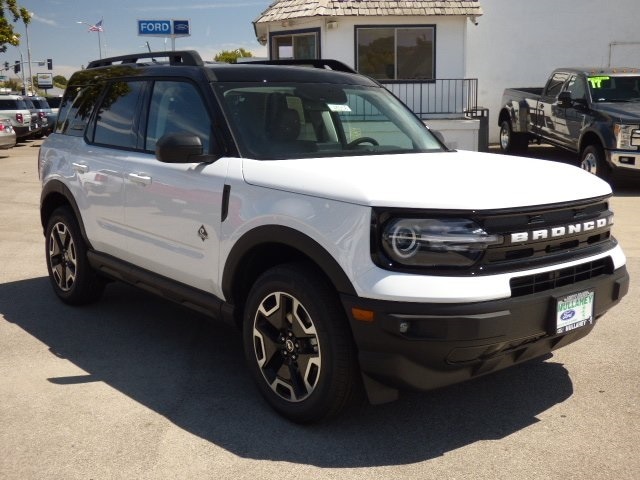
(592, 160)
(511, 142)
(71, 276)
(298, 345)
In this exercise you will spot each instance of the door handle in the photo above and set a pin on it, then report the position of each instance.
(139, 178)
(80, 167)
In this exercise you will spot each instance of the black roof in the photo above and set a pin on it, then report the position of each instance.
(185, 62)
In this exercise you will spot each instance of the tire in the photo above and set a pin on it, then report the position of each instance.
(511, 142)
(298, 345)
(72, 278)
(592, 160)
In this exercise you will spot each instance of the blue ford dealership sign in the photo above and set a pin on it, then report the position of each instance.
(164, 28)
(181, 27)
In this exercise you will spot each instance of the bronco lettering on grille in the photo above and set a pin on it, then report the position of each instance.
(561, 231)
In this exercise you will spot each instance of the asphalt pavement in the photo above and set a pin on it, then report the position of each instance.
(135, 387)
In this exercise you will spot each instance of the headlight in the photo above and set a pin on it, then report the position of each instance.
(431, 242)
(627, 136)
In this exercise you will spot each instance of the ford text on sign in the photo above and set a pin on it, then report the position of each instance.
(154, 27)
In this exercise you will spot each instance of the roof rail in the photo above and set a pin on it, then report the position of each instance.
(180, 57)
(324, 63)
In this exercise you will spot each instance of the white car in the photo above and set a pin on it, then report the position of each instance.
(312, 209)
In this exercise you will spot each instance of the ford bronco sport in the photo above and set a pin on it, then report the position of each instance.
(312, 209)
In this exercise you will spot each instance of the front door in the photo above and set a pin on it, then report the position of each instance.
(172, 211)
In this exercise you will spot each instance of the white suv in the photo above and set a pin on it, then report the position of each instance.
(312, 209)
(15, 109)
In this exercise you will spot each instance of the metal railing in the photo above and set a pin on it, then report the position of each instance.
(440, 97)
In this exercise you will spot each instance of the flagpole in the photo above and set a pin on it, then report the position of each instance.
(96, 28)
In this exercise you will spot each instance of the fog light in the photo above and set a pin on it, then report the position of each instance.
(404, 327)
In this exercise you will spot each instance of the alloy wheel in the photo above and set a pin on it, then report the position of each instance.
(286, 347)
(62, 257)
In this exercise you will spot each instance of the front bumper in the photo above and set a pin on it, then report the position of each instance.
(426, 346)
(624, 160)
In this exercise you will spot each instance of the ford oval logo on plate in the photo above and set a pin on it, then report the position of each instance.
(568, 315)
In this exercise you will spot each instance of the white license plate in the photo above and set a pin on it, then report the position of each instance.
(574, 311)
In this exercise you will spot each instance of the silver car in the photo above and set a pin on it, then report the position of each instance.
(7, 134)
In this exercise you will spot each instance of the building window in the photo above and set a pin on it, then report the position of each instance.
(298, 45)
(396, 53)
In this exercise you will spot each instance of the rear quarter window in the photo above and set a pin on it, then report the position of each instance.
(75, 109)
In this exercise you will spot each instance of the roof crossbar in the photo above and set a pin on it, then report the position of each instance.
(180, 57)
(324, 63)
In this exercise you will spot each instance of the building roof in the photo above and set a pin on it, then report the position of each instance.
(289, 9)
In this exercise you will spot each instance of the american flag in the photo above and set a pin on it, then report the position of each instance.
(97, 27)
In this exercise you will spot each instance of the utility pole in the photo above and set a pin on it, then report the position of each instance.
(26, 29)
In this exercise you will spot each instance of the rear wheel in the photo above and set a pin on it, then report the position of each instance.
(298, 345)
(72, 278)
(511, 142)
(593, 160)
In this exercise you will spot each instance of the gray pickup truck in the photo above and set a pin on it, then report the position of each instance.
(593, 112)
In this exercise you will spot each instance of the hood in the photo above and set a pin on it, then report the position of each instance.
(627, 111)
(447, 180)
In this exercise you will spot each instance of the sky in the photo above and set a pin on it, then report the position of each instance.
(54, 31)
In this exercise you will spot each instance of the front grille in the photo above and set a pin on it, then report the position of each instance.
(544, 236)
(541, 282)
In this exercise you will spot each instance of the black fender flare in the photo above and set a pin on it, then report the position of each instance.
(288, 237)
(56, 187)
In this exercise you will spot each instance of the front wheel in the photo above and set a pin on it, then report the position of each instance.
(72, 278)
(592, 160)
(298, 345)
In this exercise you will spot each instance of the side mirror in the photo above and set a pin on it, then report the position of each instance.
(179, 148)
(564, 99)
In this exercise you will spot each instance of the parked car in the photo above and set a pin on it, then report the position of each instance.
(7, 134)
(15, 109)
(45, 112)
(38, 116)
(313, 210)
(593, 112)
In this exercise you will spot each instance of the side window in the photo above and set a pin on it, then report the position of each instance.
(176, 106)
(116, 120)
(577, 88)
(76, 108)
(555, 83)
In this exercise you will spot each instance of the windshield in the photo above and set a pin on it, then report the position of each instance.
(320, 120)
(611, 88)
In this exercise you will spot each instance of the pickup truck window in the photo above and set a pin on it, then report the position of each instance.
(555, 83)
(577, 88)
(612, 88)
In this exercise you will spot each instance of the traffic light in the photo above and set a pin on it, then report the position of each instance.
(49, 64)
(6, 65)
(16, 66)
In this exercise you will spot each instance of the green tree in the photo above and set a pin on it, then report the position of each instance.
(231, 56)
(59, 81)
(8, 36)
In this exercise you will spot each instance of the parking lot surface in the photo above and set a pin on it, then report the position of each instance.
(136, 387)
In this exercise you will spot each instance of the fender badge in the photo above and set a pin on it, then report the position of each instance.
(202, 233)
